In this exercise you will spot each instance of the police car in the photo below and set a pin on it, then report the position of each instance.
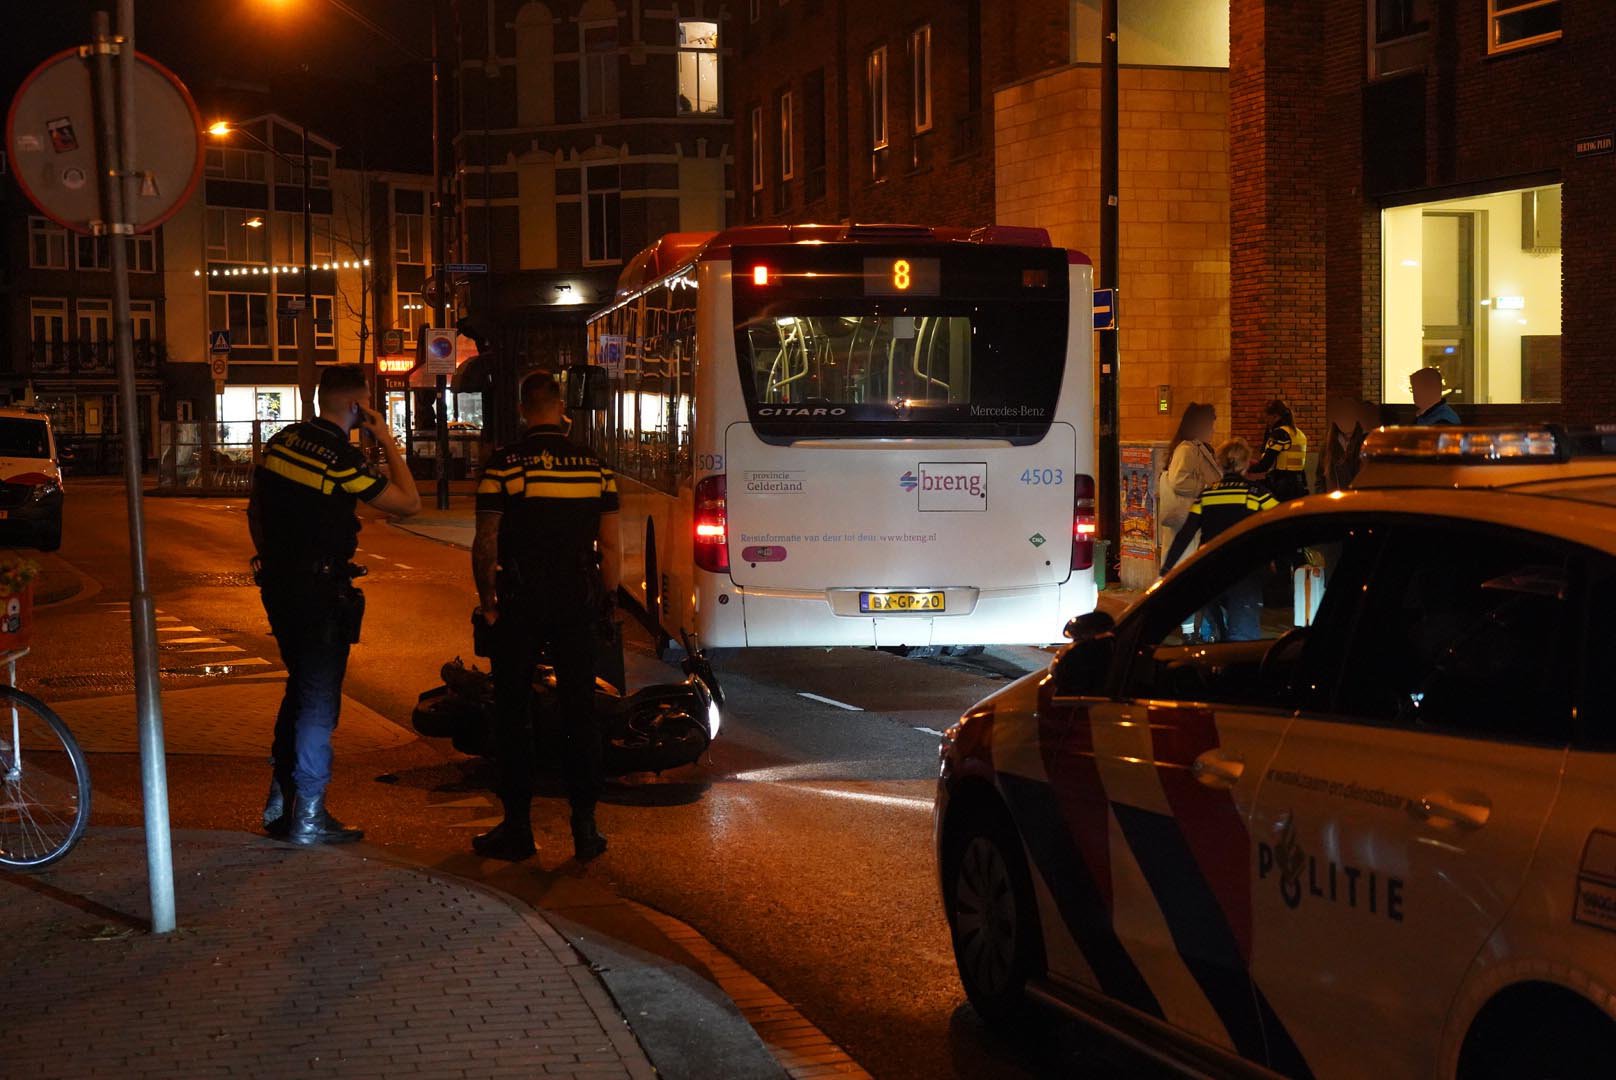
(1377, 840)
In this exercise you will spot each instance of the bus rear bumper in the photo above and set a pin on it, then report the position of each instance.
(1035, 615)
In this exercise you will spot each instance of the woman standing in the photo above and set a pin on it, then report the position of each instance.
(1191, 466)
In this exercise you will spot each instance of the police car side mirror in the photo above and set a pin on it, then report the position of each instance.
(1081, 668)
(1093, 624)
(588, 387)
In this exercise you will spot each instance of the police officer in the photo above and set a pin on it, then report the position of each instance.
(304, 527)
(1237, 616)
(545, 507)
(1283, 465)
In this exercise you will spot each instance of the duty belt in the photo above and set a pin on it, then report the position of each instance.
(338, 570)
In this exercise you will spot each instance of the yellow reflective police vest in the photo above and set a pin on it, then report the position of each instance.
(1292, 447)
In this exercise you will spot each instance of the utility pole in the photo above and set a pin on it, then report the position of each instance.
(440, 253)
(1110, 454)
(115, 135)
(306, 377)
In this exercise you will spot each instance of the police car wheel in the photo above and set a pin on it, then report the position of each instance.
(997, 944)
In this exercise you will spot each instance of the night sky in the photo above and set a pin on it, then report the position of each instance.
(301, 58)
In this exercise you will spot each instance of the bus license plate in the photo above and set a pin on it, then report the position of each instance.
(901, 601)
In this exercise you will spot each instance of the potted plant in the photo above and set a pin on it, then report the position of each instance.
(17, 576)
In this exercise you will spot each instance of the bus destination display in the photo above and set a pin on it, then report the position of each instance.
(898, 275)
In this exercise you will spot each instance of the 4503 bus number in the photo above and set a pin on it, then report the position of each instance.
(1043, 477)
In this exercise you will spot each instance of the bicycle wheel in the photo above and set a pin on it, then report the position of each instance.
(44, 783)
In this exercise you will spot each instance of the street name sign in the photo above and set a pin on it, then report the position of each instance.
(1105, 309)
(466, 268)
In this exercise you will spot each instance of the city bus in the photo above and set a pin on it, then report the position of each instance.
(852, 435)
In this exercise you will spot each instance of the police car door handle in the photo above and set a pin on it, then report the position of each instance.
(1214, 768)
(1444, 808)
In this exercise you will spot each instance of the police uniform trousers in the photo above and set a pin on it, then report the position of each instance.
(305, 617)
(525, 633)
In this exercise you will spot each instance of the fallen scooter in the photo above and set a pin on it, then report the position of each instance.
(656, 728)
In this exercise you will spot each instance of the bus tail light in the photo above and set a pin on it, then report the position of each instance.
(712, 526)
(1084, 523)
(760, 275)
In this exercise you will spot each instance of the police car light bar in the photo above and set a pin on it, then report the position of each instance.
(1444, 445)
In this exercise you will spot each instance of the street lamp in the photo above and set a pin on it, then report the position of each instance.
(306, 375)
(439, 247)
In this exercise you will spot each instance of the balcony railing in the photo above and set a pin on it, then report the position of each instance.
(98, 358)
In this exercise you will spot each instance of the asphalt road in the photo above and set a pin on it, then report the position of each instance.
(801, 846)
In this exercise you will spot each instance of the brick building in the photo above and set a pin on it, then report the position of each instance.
(1423, 183)
(852, 112)
(586, 130)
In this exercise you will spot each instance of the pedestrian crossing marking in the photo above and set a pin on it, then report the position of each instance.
(193, 641)
(179, 629)
(215, 649)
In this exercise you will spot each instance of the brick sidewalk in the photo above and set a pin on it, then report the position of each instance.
(290, 962)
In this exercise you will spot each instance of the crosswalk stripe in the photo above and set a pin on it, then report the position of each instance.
(215, 649)
(192, 641)
(179, 629)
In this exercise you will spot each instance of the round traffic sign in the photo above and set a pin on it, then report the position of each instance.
(51, 136)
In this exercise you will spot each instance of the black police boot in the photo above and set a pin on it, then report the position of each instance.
(275, 806)
(509, 840)
(587, 842)
(309, 824)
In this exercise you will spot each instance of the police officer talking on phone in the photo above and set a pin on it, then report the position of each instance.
(545, 508)
(304, 527)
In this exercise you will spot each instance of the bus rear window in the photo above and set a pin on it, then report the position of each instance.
(980, 351)
(991, 368)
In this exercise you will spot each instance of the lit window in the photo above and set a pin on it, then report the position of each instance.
(698, 67)
(1516, 24)
(920, 64)
(47, 244)
(230, 238)
(1471, 286)
(410, 316)
(875, 78)
(788, 165)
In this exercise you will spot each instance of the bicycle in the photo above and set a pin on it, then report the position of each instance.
(44, 779)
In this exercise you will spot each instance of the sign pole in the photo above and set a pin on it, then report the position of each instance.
(1110, 461)
(115, 130)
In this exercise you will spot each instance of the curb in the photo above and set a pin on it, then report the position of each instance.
(695, 1012)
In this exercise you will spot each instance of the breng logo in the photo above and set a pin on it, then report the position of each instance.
(950, 486)
(908, 481)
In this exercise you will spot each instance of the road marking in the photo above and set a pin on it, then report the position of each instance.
(930, 731)
(215, 649)
(179, 629)
(192, 640)
(817, 770)
(829, 701)
(904, 801)
(247, 661)
(167, 618)
(404, 566)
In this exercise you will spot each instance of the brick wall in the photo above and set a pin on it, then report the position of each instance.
(1174, 172)
(1277, 167)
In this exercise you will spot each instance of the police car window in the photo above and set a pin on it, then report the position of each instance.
(1238, 626)
(1464, 631)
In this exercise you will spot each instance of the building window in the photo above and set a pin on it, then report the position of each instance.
(236, 235)
(409, 238)
(698, 67)
(599, 67)
(244, 315)
(92, 253)
(95, 320)
(143, 253)
(1399, 36)
(47, 318)
(143, 319)
(788, 163)
(757, 148)
(322, 235)
(1517, 24)
(875, 80)
(1471, 286)
(229, 163)
(286, 322)
(47, 244)
(920, 64)
(409, 315)
(602, 214)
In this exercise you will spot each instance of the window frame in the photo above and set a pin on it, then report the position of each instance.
(1407, 46)
(610, 84)
(244, 339)
(877, 113)
(757, 148)
(143, 311)
(1516, 7)
(146, 242)
(412, 244)
(41, 228)
(786, 157)
(610, 197)
(920, 78)
(94, 310)
(716, 52)
(406, 324)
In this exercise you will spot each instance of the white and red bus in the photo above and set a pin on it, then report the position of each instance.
(853, 435)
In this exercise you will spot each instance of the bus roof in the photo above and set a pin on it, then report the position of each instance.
(677, 250)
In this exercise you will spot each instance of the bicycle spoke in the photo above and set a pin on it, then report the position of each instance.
(44, 794)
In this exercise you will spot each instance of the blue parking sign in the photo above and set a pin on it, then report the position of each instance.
(1105, 309)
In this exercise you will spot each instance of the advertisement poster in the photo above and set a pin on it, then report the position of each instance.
(1139, 503)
